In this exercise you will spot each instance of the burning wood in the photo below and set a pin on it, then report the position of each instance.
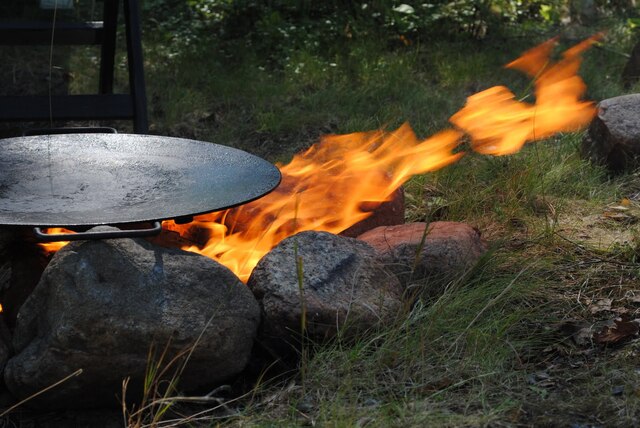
(334, 184)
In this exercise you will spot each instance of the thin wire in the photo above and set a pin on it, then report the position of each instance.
(53, 32)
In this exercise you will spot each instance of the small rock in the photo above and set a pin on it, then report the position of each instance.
(617, 390)
(613, 137)
(305, 406)
(343, 287)
(371, 402)
(445, 251)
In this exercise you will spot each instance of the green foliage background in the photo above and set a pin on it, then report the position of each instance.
(275, 22)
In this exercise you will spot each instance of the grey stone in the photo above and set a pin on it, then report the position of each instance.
(613, 137)
(343, 287)
(99, 307)
(429, 257)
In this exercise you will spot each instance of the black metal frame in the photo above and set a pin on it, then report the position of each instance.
(41, 236)
(105, 104)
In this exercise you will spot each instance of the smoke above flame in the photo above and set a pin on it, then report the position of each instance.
(337, 182)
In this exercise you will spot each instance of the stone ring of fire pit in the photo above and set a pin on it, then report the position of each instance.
(84, 180)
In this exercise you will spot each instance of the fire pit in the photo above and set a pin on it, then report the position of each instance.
(307, 283)
(79, 181)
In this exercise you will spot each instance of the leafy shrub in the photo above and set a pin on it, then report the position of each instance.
(275, 29)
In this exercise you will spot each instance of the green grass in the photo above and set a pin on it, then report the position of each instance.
(490, 351)
(494, 349)
(277, 112)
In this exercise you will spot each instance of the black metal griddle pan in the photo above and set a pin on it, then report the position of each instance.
(83, 180)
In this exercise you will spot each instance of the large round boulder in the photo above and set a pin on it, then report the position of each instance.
(427, 254)
(332, 282)
(102, 306)
(613, 137)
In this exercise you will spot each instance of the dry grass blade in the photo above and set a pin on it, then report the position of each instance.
(202, 416)
(489, 304)
(159, 395)
(31, 397)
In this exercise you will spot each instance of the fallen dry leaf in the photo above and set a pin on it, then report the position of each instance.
(601, 306)
(620, 208)
(620, 310)
(620, 217)
(623, 329)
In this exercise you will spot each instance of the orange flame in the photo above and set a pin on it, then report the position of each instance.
(500, 125)
(51, 247)
(337, 182)
(327, 188)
